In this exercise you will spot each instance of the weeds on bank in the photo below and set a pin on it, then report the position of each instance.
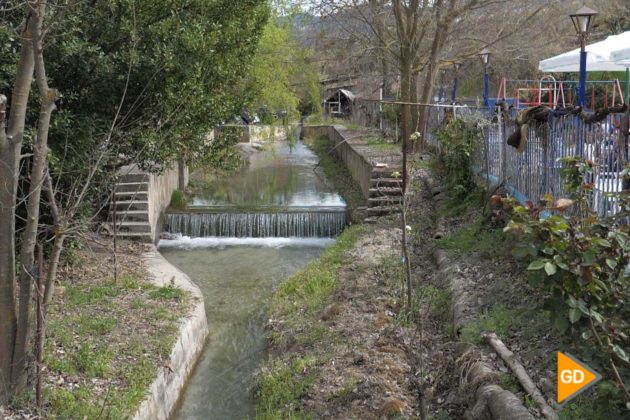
(475, 238)
(306, 290)
(284, 382)
(101, 370)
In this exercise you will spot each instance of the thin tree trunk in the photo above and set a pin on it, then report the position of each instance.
(10, 150)
(41, 332)
(53, 264)
(427, 89)
(38, 172)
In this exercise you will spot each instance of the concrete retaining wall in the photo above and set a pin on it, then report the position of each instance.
(161, 188)
(165, 391)
(258, 133)
(360, 168)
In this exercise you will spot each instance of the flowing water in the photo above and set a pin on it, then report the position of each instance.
(242, 239)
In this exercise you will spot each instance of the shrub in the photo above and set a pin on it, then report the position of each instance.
(457, 139)
(579, 263)
(178, 200)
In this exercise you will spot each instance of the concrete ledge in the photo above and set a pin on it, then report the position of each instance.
(166, 389)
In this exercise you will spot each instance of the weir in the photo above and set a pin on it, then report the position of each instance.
(303, 223)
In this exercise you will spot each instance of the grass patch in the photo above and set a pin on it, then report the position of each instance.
(282, 386)
(170, 292)
(498, 319)
(111, 338)
(475, 238)
(380, 143)
(337, 173)
(306, 290)
(178, 200)
(283, 382)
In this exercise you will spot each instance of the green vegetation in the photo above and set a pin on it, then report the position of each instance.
(305, 291)
(178, 200)
(281, 77)
(283, 382)
(382, 144)
(458, 138)
(578, 261)
(475, 238)
(338, 174)
(498, 319)
(89, 339)
(281, 386)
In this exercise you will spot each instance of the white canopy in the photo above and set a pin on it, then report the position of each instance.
(621, 56)
(599, 57)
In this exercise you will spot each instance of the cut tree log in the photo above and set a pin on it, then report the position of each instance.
(528, 385)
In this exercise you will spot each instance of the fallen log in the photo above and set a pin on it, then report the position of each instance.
(519, 371)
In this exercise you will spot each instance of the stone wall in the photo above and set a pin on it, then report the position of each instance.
(167, 388)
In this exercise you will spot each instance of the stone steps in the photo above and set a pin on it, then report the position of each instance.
(133, 178)
(385, 182)
(132, 227)
(126, 205)
(132, 186)
(385, 191)
(383, 201)
(131, 215)
(145, 237)
(382, 211)
(131, 195)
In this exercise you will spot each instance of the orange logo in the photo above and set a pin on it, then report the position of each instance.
(574, 377)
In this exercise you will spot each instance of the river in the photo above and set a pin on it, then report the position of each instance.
(267, 221)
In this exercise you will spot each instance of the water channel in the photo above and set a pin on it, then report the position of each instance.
(265, 222)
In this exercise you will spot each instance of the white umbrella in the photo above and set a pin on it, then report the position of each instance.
(599, 57)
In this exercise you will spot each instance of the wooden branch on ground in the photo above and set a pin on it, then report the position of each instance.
(520, 372)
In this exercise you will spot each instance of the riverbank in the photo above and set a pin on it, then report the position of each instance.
(352, 351)
(340, 345)
(107, 338)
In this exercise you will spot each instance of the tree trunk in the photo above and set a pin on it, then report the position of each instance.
(427, 90)
(181, 174)
(29, 235)
(405, 96)
(53, 264)
(10, 150)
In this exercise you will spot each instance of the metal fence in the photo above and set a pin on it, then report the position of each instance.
(536, 170)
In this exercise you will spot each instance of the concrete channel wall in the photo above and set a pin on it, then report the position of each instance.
(161, 188)
(257, 133)
(170, 383)
(360, 168)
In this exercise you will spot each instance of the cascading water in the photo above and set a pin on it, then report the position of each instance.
(238, 240)
(303, 224)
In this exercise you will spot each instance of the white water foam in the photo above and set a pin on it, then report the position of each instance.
(186, 242)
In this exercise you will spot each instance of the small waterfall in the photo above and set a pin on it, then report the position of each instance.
(304, 224)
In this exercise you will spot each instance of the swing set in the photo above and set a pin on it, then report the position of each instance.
(559, 93)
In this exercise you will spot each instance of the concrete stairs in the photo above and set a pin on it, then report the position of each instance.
(385, 193)
(131, 201)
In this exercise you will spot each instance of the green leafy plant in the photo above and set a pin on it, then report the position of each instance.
(457, 138)
(178, 200)
(579, 263)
